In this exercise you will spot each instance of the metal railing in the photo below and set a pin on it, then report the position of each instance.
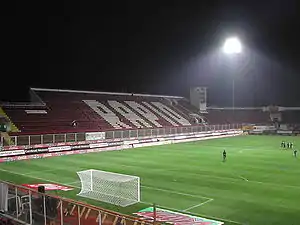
(31, 207)
(116, 134)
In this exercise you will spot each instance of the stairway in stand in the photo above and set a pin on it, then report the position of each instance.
(7, 138)
(12, 125)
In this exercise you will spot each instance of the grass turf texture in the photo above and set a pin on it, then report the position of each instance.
(258, 184)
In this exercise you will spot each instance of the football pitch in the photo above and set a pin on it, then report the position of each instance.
(259, 184)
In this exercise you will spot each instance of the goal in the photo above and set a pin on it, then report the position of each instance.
(113, 188)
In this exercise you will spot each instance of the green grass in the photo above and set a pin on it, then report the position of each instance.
(181, 176)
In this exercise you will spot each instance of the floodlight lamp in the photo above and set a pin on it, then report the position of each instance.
(232, 46)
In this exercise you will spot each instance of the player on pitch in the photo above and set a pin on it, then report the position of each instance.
(224, 156)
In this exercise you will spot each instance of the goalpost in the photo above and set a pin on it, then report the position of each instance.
(114, 188)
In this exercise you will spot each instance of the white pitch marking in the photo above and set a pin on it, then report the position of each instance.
(69, 184)
(38, 171)
(36, 177)
(143, 186)
(176, 192)
(198, 205)
(232, 179)
(195, 214)
(228, 179)
(39, 178)
(244, 178)
(75, 182)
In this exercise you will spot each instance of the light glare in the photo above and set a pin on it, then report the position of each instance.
(232, 46)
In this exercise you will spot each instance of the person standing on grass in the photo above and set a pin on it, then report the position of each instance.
(288, 145)
(282, 144)
(224, 156)
(295, 153)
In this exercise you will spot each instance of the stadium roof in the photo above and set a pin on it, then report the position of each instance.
(102, 93)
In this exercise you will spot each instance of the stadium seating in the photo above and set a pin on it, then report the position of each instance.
(290, 117)
(252, 116)
(98, 111)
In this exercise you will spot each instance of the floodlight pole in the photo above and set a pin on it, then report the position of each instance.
(233, 93)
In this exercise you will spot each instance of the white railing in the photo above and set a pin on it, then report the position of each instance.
(116, 134)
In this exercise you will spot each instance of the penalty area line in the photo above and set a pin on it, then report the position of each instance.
(175, 192)
(198, 205)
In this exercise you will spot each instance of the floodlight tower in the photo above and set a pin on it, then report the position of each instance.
(232, 47)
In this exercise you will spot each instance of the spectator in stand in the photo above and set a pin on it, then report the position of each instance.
(74, 123)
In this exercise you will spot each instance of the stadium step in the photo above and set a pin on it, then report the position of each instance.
(13, 126)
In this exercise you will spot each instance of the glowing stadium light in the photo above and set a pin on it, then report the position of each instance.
(232, 46)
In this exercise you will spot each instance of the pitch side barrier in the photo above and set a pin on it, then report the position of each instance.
(36, 152)
(28, 206)
(28, 139)
(276, 132)
(271, 130)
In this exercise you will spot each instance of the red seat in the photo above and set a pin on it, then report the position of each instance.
(64, 107)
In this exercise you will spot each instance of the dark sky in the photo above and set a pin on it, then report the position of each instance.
(157, 47)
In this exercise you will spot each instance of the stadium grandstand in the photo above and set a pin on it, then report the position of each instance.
(60, 111)
(54, 111)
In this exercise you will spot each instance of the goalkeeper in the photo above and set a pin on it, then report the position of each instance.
(224, 156)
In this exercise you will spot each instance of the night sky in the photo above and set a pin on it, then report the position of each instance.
(156, 47)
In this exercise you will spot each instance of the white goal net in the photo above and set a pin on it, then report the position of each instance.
(114, 188)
